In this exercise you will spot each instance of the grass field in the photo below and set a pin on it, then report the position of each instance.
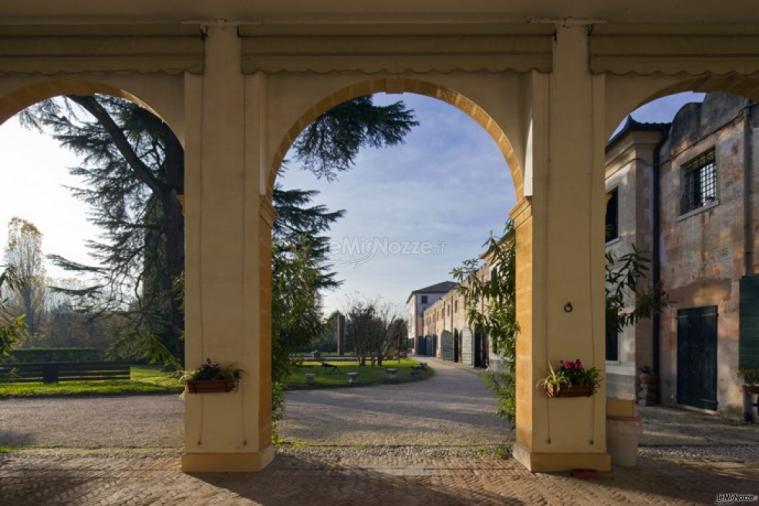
(331, 378)
(144, 379)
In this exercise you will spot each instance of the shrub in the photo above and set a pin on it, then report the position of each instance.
(750, 376)
(35, 355)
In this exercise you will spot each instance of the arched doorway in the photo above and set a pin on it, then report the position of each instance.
(430, 347)
(94, 111)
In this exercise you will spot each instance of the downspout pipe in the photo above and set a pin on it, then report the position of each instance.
(748, 225)
(656, 253)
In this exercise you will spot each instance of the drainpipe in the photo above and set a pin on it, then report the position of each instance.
(656, 255)
(748, 243)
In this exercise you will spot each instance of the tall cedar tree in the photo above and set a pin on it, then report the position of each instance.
(133, 167)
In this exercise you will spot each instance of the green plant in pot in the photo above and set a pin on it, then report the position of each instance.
(212, 377)
(570, 379)
(750, 379)
(647, 376)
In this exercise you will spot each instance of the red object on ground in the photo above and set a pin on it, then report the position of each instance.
(585, 474)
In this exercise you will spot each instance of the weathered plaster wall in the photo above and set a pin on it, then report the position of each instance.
(702, 251)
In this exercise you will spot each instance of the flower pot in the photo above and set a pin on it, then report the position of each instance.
(211, 386)
(569, 391)
(622, 435)
(751, 389)
(647, 378)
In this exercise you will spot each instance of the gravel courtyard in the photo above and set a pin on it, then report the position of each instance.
(452, 408)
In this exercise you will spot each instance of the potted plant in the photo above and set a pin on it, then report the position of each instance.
(647, 377)
(212, 377)
(750, 380)
(570, 379)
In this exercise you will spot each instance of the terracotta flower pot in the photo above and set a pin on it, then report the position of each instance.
(752, 389)
(647, 378)
(569, 391)
(211, 386)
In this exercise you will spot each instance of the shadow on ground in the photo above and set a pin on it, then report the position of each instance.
(352, 476)
(16, 439)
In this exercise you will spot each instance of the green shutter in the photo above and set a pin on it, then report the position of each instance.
(748, 354)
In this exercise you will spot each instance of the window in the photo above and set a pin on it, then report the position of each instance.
(424, 299)
(612, 346)
(455, 306)
(612, 215)
(699, 182)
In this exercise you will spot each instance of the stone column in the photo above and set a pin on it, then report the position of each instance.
(560, 255)
(225, 431)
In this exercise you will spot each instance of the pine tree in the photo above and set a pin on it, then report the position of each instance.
(132, 168)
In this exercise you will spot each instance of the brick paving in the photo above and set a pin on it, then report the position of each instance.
(345, 476)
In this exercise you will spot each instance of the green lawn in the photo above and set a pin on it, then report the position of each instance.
(330, 378)
(150, 379)
(144, 379)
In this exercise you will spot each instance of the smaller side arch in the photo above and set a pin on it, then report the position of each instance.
(629, 92)
(419, 87)
(23, 96)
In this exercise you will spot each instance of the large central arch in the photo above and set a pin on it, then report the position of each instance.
(397, 86)
(317, 106)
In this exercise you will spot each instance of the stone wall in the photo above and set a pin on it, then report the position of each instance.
(702, 251)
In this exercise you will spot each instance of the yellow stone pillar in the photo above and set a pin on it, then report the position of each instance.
(560, 255)
(231, 431)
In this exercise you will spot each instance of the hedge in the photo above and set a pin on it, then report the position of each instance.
(35, 355)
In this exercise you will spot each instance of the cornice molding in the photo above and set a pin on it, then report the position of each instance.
(396, 54)
(695, 50)
(51, 50)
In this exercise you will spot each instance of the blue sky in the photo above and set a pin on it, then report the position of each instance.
(413, 211)
(447, 185)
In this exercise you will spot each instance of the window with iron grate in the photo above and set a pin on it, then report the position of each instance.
(699, 178)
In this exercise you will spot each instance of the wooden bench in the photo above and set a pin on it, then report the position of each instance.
(417, 369)
(53, 372)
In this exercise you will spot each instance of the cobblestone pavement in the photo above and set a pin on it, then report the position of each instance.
(345, 476)
(671, 426)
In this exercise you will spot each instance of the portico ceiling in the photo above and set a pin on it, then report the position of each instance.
(393, 11)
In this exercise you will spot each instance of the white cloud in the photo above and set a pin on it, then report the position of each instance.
(33, 172)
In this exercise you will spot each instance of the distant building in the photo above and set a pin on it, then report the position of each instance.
(418, 301)
(446, 326)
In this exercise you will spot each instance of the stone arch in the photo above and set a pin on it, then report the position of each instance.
(627, 93)
(405, 85)
(26, 94)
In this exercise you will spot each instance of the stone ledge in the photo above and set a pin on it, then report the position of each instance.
(553, 462)
(227, 462)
